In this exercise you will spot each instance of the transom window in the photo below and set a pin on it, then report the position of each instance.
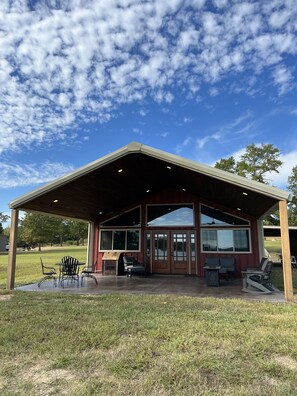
(211, 217)
(170, 215)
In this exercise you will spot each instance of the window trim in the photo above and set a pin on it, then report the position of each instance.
(113, 230)
(226, 251)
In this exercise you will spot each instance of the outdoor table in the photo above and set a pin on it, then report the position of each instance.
(212, 276)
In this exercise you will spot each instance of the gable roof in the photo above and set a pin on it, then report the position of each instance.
(99, 188)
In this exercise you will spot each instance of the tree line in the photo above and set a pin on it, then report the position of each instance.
(255, 163)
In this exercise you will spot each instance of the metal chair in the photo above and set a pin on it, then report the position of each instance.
(69, 270)
(48, 273)
(88, 273)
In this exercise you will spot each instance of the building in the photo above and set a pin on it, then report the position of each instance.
(169, 212)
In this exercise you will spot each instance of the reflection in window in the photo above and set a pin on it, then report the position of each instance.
(170, 215)
(225, 240)
(215, 217)
(127, 219)
(124, 240)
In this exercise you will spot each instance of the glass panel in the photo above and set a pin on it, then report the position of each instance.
(148, 246)
(160, 246)
(132, 240)
(119, 240)
(225, 240)
(179, 247)
(215, 217)
(170, 215)
(241, 241)
(209, 240)
(106, 240)
(128, 219)
(193, 250)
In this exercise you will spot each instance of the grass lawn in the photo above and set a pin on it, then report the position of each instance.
(140, 344)
(145, 345)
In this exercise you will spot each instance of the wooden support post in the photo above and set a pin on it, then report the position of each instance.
(12, 249)
(286, 253)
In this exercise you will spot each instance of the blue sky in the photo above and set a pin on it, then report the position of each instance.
(201, 79)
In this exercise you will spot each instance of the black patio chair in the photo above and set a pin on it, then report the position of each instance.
(48, 273)
(88, 273)
(132, 267)
(69, 270)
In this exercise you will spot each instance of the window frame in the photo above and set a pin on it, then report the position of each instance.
(233, 251)
(126, 230)
(193, 225)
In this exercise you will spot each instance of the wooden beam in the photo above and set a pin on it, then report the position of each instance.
(12, 249)
(286, 253)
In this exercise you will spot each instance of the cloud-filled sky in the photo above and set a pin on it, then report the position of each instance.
(198, 78)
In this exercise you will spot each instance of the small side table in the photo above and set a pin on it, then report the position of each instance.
(212, 276)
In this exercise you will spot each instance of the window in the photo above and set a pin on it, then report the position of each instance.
(170, 215)
(215, 217)
(225, 240)
(124, 240)
(127, 219)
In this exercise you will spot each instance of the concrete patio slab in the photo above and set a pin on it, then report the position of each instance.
(156, 284)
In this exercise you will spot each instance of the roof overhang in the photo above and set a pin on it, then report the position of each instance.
(125, 177)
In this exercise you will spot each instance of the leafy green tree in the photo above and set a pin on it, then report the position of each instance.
(78, 230)
(3, 219)
(292, 187)
(255, 163)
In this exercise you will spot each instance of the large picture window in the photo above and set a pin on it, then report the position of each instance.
(170, 215)
(123, 240)
(225, 240)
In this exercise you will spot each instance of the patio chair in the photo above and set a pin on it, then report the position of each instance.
(132, 267)
(69, 270)
(88, 272)
(48, 273)
(258, 280)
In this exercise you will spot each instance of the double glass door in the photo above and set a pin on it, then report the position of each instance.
(172, 252)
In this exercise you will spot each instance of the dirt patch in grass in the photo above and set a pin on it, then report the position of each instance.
(287, 362)
(5, 297)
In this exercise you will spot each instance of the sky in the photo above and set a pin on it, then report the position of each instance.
(198, 78)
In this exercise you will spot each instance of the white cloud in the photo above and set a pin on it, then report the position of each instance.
(67, 62)
(14, 175)
(281, 179)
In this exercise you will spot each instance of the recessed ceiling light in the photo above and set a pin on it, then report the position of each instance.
(168, 167)
(100, 212)
(55, 200)
(245, 193)
(238, 208)
(148, 191)
(120, 170)
(184, 189)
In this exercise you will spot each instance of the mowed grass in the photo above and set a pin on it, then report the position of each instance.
(145, 345)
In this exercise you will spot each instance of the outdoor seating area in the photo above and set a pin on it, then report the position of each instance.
(69, 272)
(218, 267)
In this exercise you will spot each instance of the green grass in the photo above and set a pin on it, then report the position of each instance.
(145, 345)
(28, 269)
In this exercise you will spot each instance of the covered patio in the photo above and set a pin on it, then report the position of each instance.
(168, 212)
(157, 285)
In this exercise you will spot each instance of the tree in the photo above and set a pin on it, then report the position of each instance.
(78, 230)
(255, 163)
(3, 219)
(292, 187)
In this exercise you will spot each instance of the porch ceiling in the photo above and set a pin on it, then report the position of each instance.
(104, 190)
